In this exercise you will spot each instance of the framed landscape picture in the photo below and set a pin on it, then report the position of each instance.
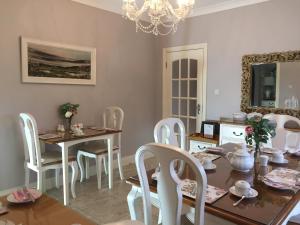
(48, 62)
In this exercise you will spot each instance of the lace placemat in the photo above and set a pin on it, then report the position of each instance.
(202, 155)
(189, 189)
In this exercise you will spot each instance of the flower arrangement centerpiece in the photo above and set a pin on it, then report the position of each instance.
(67, 111)
(258, 131)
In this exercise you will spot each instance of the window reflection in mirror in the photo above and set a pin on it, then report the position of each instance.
(275, 85)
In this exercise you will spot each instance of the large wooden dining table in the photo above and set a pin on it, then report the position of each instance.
(67, 140)
(44, 211)
(270, 207)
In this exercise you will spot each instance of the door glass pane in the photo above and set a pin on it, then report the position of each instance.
(175, 88)
(184, 68)
(192, 126)
(184, 88)
(175, 69)
(193, 107)
(183, 107)
(193, 68)
(193, 88)
(175, 103)
(184, 120)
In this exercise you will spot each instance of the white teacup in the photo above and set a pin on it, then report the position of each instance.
(242, 187)
(277, 156)
(207, 163)
(263, 160)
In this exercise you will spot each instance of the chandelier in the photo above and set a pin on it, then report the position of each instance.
(157, 16)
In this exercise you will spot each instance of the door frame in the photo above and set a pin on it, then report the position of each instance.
(202, 46)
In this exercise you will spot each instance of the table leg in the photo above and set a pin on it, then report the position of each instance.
(64, 151)
(110, 161)
(132, 196)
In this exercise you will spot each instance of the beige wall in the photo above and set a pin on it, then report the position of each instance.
(262, 28)
(125, 74)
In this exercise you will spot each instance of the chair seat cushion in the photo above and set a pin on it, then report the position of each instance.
(127, 222)
(96, 148)
(54, 157)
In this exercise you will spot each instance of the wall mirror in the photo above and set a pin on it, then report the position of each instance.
(271, 83)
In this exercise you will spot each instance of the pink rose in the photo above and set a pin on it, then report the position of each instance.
(249, 130)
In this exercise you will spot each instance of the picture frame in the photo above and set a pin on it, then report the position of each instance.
(55, 63)
(209, 130)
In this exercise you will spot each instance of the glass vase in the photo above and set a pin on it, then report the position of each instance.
(68, 124)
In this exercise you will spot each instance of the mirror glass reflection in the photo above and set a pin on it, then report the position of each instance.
(276, 85)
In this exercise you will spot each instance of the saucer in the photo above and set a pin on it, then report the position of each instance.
(271, 150)
(212, 167)
(252, 193)
(285, 161)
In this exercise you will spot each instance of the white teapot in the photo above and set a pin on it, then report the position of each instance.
(241, 159)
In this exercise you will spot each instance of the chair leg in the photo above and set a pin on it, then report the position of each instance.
(80, 164)
(27, 173)
(105, 165)
(74, 166)
(120, 165)
(159, 217)
(40, 181)
(87, 168)
(99, 170)
(57, 172)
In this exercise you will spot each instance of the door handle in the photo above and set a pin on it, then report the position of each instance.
(198, 109)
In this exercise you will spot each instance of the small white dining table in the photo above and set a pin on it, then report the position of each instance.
(67, 140)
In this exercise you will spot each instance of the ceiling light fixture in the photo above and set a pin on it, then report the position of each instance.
(157, 16)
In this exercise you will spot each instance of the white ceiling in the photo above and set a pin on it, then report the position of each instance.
(201, 6)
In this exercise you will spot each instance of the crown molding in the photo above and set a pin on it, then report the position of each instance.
(101, 5)
(227, 5)
(231, 4)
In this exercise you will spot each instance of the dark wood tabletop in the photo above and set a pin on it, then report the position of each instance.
(44, 211)
(67, 136)
(270, 207)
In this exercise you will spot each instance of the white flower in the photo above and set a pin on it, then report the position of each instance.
(68, 114)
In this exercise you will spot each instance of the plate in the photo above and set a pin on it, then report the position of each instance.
(252, 193)
(35, 193)
(213, 166)
(295, 152)
(285, 161)
(277, 185)
(271, 150)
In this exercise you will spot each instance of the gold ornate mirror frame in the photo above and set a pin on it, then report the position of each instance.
(247, 61)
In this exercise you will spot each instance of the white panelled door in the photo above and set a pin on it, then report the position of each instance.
(184, 85)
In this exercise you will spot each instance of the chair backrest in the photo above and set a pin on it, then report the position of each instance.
(164, 132)
(292, 141)
(279, 140)
(169, 184)
(113, 118)
(30, 139)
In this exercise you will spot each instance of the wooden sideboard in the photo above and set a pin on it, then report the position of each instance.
(199, 143)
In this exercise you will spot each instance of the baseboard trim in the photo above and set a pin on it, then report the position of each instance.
(50, 182)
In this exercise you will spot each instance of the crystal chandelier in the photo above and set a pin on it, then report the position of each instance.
(157, 16)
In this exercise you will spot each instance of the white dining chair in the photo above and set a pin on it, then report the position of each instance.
(279, 141)
(165, 132)
(169, 131)
(113, 118)
(169, 184)
(41, 162)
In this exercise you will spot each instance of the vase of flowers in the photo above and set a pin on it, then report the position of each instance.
(259, 131)
(67, 111)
